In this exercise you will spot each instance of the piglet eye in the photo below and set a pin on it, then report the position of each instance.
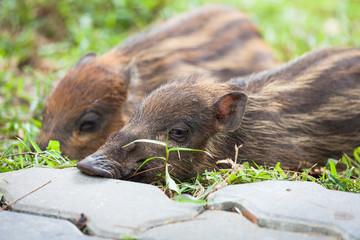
(89, 122)
(88, 125)
(178, 134)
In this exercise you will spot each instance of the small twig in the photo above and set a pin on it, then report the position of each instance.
(182, 220)
(223, 183)
(237, 152)
(310, 169)
(25, 153)
(48, 159)
(15, 201)
(4, 180)
(147, 170)
(196, 217)
(62, 167)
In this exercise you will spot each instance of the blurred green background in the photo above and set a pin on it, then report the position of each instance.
(41, 39)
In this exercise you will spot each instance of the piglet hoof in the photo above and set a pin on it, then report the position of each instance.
(97, 165)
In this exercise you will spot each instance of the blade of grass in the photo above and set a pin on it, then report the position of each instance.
(33, 143)
(24, 144)
(333, 169)
(145, 141)
(337, 182)
(356, 154)
(324, 174)
(6, 151)
(170, 183)
(189, 199)
(166, 147)
(54, 145)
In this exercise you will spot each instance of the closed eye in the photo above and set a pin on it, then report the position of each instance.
(88, 125)
(89, 121)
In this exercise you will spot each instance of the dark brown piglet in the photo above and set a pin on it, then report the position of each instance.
(96, 97)
(299, 114)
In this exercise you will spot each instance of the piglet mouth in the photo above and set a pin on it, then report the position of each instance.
(97, 165)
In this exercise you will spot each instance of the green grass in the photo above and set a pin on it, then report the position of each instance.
(19, 155)
(202, 185)
(40, 40)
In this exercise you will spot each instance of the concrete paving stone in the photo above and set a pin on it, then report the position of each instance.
(214, 225)
(20, 226)
(113, 207)
(295, 207)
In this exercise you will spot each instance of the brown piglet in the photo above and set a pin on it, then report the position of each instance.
(97, 96)
(299, 114)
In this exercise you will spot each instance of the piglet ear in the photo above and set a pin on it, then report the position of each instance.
(86, 59)
(230, 109)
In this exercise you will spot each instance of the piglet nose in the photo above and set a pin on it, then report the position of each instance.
(97, 165)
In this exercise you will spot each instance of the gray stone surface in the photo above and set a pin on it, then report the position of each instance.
(295, 206)
(220, 225)
(113, 207)
(19, 226)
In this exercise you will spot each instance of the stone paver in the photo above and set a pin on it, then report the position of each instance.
(20, 226)
(221, 225)
(295, 206)
(114, 208)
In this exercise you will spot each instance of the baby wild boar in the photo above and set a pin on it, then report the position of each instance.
(96, 97)
(299, 114)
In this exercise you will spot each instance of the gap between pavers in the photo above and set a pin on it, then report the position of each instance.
(214, 225)
(295, 206)
(20, 226)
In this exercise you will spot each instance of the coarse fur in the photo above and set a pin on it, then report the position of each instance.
(300, 114)
(96, 97)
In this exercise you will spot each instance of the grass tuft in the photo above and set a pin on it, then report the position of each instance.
(211, 181)
(19, 155)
